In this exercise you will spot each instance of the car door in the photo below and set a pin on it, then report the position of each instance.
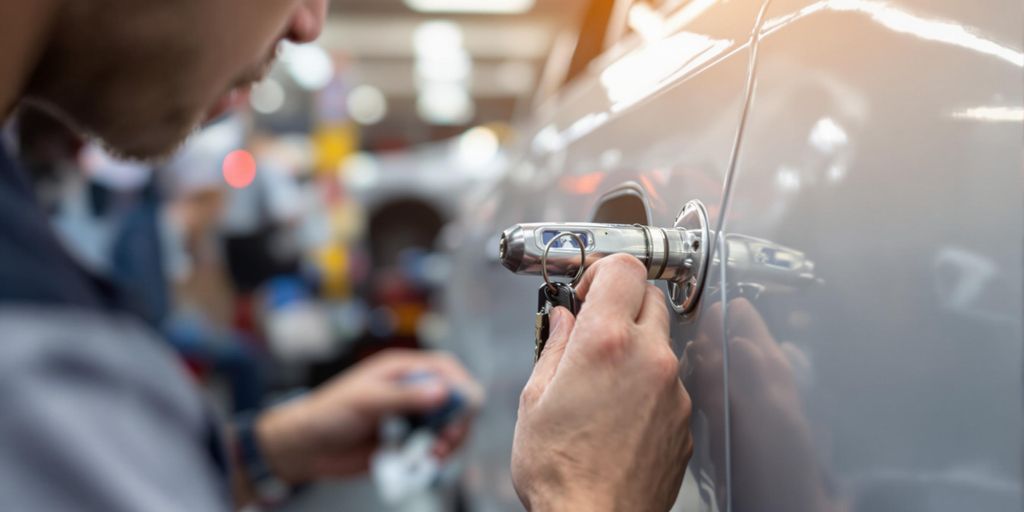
(881, 160)
(646, 121)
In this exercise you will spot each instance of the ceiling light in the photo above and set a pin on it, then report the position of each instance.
(472, 6)
(445, 104)
(367, 105)
(454, 66)
(267, 97)
(478, 146)
(437, 37)
(310, 65)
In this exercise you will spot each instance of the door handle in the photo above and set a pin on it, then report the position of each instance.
(678, 255)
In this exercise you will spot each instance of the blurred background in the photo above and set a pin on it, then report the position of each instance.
(344, 203)
(300, 233)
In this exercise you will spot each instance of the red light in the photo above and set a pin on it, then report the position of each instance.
(239, 169)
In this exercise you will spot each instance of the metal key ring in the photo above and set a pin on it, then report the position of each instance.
(547, 249)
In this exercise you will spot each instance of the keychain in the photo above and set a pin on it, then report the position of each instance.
(554, 294)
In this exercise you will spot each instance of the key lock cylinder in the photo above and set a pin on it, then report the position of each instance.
(679, 255)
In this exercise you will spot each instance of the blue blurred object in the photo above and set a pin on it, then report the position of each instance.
(284, 291)
(412, 262)
(231, 354)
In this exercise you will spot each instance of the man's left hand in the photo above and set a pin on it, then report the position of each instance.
(333, 431)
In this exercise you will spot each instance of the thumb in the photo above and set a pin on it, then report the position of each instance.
(562, 323)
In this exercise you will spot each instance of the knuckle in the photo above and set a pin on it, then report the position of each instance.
(381, 361)
(665, 365)
(686, 405)
(529, 396)
(611, 343)
(688, 447)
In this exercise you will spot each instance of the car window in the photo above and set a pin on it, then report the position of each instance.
(607, 22)
(593, 33)
(634, 21)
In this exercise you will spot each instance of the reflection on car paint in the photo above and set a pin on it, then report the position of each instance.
(900, 20)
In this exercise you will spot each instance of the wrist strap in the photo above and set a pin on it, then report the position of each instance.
(269, 489)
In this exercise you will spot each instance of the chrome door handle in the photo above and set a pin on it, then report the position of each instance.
(678, 255)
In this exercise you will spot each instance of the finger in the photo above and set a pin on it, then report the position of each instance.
(653, 311)
(398, 364)
(702, 364)
(442, 449)
(450, 369)
(614, 287)
(746, 321)
(795, 358)
(711, 322)
(562, 323)
(396, 398)
(452, 438)
(747, 359)
(688, 363)
(392, 363)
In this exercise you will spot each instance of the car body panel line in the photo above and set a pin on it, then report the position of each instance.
(722, 250)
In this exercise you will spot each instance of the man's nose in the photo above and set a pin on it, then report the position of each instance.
(307, 22)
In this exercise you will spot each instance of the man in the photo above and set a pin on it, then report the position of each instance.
(96, 414)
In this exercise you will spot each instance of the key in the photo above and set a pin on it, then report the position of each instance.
(547, 300)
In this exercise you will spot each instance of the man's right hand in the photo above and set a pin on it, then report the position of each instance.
(604, 420)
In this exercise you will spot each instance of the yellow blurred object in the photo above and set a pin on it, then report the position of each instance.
(333, 144)
(348, 221)
(334, 266)
(407, 317)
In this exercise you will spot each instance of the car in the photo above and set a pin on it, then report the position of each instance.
(857, 342)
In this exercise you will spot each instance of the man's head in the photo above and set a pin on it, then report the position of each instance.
(142, 74)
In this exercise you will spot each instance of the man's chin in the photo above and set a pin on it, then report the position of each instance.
(146, 146)
(132, 136)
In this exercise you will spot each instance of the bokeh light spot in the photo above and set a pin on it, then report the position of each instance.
(239, 169)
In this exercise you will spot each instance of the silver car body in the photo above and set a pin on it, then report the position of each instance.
(877, 143)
